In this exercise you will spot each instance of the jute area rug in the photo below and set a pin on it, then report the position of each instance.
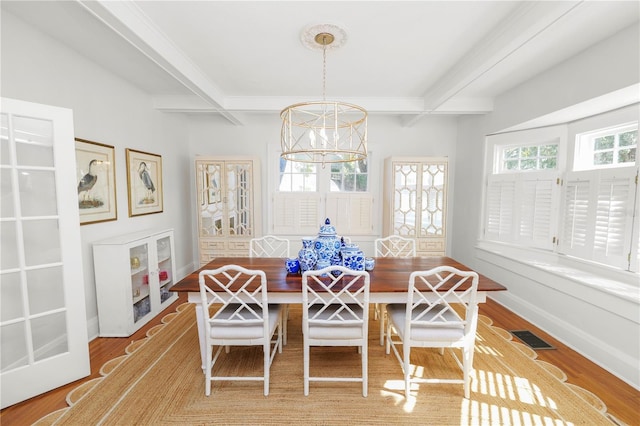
(161, 383)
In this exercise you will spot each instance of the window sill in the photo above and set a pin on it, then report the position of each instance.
(621, 284)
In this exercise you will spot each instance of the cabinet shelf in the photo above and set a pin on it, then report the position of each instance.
(128, 296)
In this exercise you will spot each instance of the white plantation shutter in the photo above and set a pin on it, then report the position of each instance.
(521, 207)
(598, 215)
(297, 213)
(537, 209)
(576, 216)
(501, 194)
(352, 214)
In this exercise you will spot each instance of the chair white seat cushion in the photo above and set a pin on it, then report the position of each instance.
(241, 329)
(334, 330)
(451, 331)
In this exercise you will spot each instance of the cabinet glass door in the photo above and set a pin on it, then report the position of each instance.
(432, 209)
(405, 187)
(163, 249)
(239, 198)
(141, 297)
(210, 199)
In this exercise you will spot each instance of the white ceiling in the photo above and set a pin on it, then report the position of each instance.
(401, 57)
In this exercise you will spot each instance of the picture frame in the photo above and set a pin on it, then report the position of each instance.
(95, 174)
(144, 182)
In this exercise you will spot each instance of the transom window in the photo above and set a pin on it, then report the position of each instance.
(605, 148)
(528, 157)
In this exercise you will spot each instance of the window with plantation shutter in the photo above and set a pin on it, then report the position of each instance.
(598, 215)
(521, 208)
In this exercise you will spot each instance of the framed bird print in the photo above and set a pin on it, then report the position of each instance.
(95, 175)
(144, 182)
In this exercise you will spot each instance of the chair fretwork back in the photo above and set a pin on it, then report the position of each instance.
(395, 246)
(435, 294)
(335, 299)
(269, 246)
(241, 293)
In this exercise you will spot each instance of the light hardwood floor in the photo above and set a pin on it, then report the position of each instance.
(622, 400)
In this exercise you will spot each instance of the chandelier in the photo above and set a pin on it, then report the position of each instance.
(324, 131)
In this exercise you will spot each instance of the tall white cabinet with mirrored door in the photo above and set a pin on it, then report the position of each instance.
(228, 197)
(415, 200)
(134, 275)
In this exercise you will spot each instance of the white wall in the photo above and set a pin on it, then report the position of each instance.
(433, 136)
(599, 324)
(106, 109)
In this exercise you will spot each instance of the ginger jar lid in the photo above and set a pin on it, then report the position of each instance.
(327, 229)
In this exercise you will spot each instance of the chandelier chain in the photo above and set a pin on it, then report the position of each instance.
(324, 72)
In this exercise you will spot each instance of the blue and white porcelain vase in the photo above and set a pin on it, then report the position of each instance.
(327, 244)
(307, 255)
(353, 257)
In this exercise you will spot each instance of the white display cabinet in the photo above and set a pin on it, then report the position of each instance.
(134, 275)
(415, 200)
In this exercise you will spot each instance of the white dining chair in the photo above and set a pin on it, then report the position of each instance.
(243, 318)
(335, 312)
(269, 246)
(272, 246)
(430, 319)
(391, 246)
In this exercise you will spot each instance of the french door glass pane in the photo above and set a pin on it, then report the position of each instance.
(9, 258)
(34, 154)
(46, 289)
(49, 335)
(11, 293)
(38, 193)
(13, 346)
(6, 194)
(41, 241)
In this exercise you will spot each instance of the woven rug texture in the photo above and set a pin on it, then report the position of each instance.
(162, 383)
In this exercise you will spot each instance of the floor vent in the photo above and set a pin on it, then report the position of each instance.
(531, 339)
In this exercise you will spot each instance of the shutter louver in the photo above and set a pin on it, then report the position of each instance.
(536, 210)
(576, 214)
(500, 208)
(613, 219)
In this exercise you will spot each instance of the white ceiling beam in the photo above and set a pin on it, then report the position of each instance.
(400, 106)
(127, 20)
(528, 20)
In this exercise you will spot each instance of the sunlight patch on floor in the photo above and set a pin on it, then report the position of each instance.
(511, 388)
(476, 413)
(395, 390)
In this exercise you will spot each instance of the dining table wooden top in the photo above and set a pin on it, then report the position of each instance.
(390, 274)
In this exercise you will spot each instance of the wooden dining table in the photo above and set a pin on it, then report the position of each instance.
(389, 281)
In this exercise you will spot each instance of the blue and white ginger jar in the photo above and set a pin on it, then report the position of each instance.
(327, 245)
(353, 257)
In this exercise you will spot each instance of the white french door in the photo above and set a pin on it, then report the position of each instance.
(43, 331)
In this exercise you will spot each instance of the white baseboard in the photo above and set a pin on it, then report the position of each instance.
(606, 356)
